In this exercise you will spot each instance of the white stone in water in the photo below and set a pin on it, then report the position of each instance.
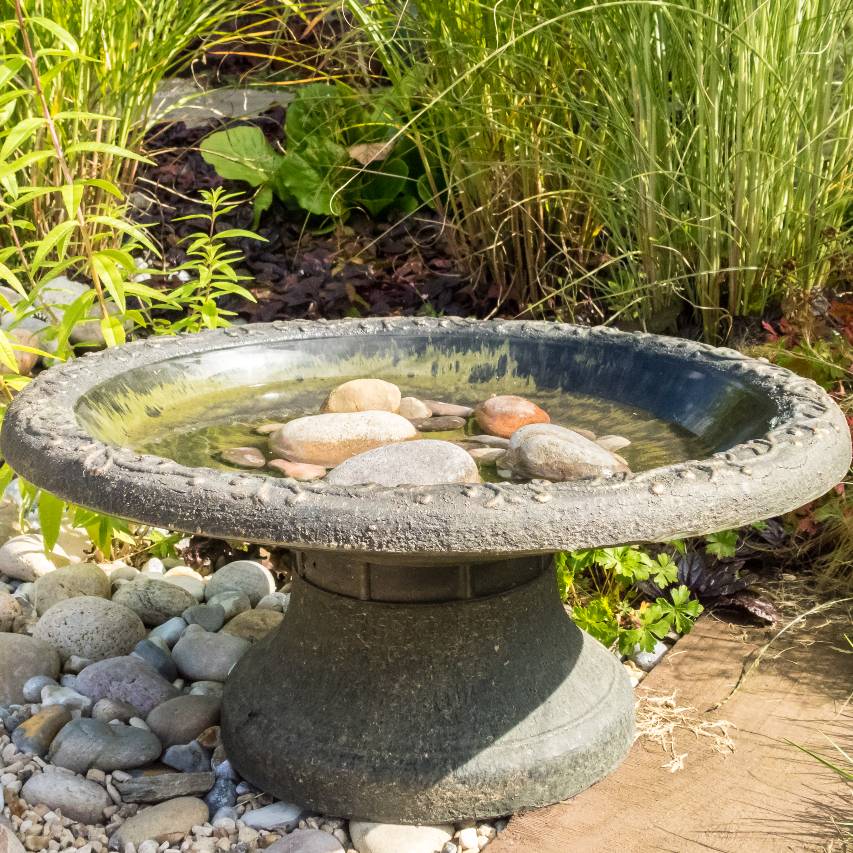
(330, 439)
(414, 409)
(440, 409)
(370, 837)
(302, 471)
(613, 443)
(421, 463)
(487, 455)
(363, 395)
(244, 457)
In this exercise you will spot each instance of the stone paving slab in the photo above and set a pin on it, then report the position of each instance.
(765, 797)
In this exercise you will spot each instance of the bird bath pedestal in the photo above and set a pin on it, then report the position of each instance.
(426, 669)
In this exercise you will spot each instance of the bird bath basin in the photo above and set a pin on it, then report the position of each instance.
(426, 669)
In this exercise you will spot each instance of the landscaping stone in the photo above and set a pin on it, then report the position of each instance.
(414, 409)
(187, 757)
(168, 821)
(275, 601)
(209, 657)
(446, 423)
(164, 786)
(253, 625)
(302, 471)
(232, 601)
(170, 631)
(90, 627)
(280, 815)
(23, 658)
(69, 582)
(244, 457)
(504, 414)
(75, 664)
(33, 687)
(306, 841)
(154, 601)
(113, 709)
(77, 798)
(8, 840)
(127, 679)
(440, 409)
(425, 462)
(10, 611)
(363, 395)
(205, 688)
(157, 657)
(487, 455)
(222, 795)
(183, 718)
(35, 735)
(23, 557)
(66, 697)
(370, 837)
(211, 617)
(647, 661)
(86, 743)
(331, 438)
(243, 576)
(613, 443)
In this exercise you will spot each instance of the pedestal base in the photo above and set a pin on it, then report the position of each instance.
(427, 712)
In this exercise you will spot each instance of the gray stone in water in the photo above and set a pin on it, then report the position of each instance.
(183, 718)
(23, 658)
(446, 423)
(368, 837)
(223, 794)
(170, 631)
(613, 443)
(244, 457)
(306, 841)
(363, 395)
(77, 798)
(189, 757)
(278, 815)
(33, 686)
(211, 617)
(153, 600)
(86, 743)
(451, 410)
(426, 462)
(414, 409)
(161, 660)
(209, 657)
(128, 679)
(244, 576)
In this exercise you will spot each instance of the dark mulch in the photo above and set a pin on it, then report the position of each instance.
(307, 268)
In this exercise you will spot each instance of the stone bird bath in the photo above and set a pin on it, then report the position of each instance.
(426, 669)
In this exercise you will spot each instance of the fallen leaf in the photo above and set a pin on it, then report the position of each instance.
(370, 152)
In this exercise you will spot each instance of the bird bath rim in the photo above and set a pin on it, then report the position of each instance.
(804, 453)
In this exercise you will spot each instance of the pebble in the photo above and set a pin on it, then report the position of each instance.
(414, 409)
(244, 457)
(75, 664)
(202, 656)
(504, 414)
(35, 735)
(468, 838)
(10, 611)
(154, 601)
(489, 440)
(168, 821)
(8, 841)
(280, 815)
(275, 601)
(86, 743)
(394, 838)
(182, 719)
(23, 658)
(187, 579)
(446, 423)
(23, 557)
(211, 617)
(223, 794)
(77, 798)
(266, 429)
(205, 688)
(254, 625)
(613, 443)
(187, 757)
(425, 462)
(170, 631)
(487, 455)
(67, 697)
(113, 709)
(243, 576)
(363, 395)
(32, 687)
(452, 410)
(331, 438)
(90, 627)
(306, 841)
(127, 679)
(302, 471)
(551, 452)
(647, 661)
(157, 657)
(69, 582)
(232, 602)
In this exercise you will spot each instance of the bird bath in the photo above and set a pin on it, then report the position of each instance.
(426, 670)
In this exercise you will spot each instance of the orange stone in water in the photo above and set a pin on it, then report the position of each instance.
(504, 414)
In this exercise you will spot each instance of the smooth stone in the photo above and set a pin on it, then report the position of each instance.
(211, 617)
(209, 657)
(10, 611)
(278, 815)
(33, 687)
(451, 410)
(363, 395)
(75, 664)
(170, 631)
(244, 576)
(550, 452)
(66, 697)
(187, 757)
(487, 455)
(330, 439)
(23, 658)
(69, 582)
(154, 566)
(613, 443)
(414, 409)
(86, 743)
(187, 580)
(127, 679)
(244, 457)
(153, 600)
(163, 786)
(266, 429)
(254, 625)
(77, 798)
(90, 627)
(506, 413)
(23, 557)
(8, 840)
(169, 821)
(445, 423)
(306, 841)
(113, 709)
(647, 661)
(222, 795)
(183, 718)
(425, 462)
(370, 837)
(68, 681)
(302, 471)
(36, 734)
(275, 601)
(586, 433)
(206, 688)
(232, 602)
(161, 660)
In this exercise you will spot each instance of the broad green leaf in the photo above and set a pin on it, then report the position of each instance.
(51, 240)
(72, 196)
(113, 331)
(6, 477)
(7, 353)
(230, 233)
(379, 190)
(51, 509)
(110, 277)
(241, 154)
(22, 131)
(106, 148)
(55, 30)
(135, 232)
(12, 280)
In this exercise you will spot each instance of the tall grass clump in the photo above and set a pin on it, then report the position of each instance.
(653, 152)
